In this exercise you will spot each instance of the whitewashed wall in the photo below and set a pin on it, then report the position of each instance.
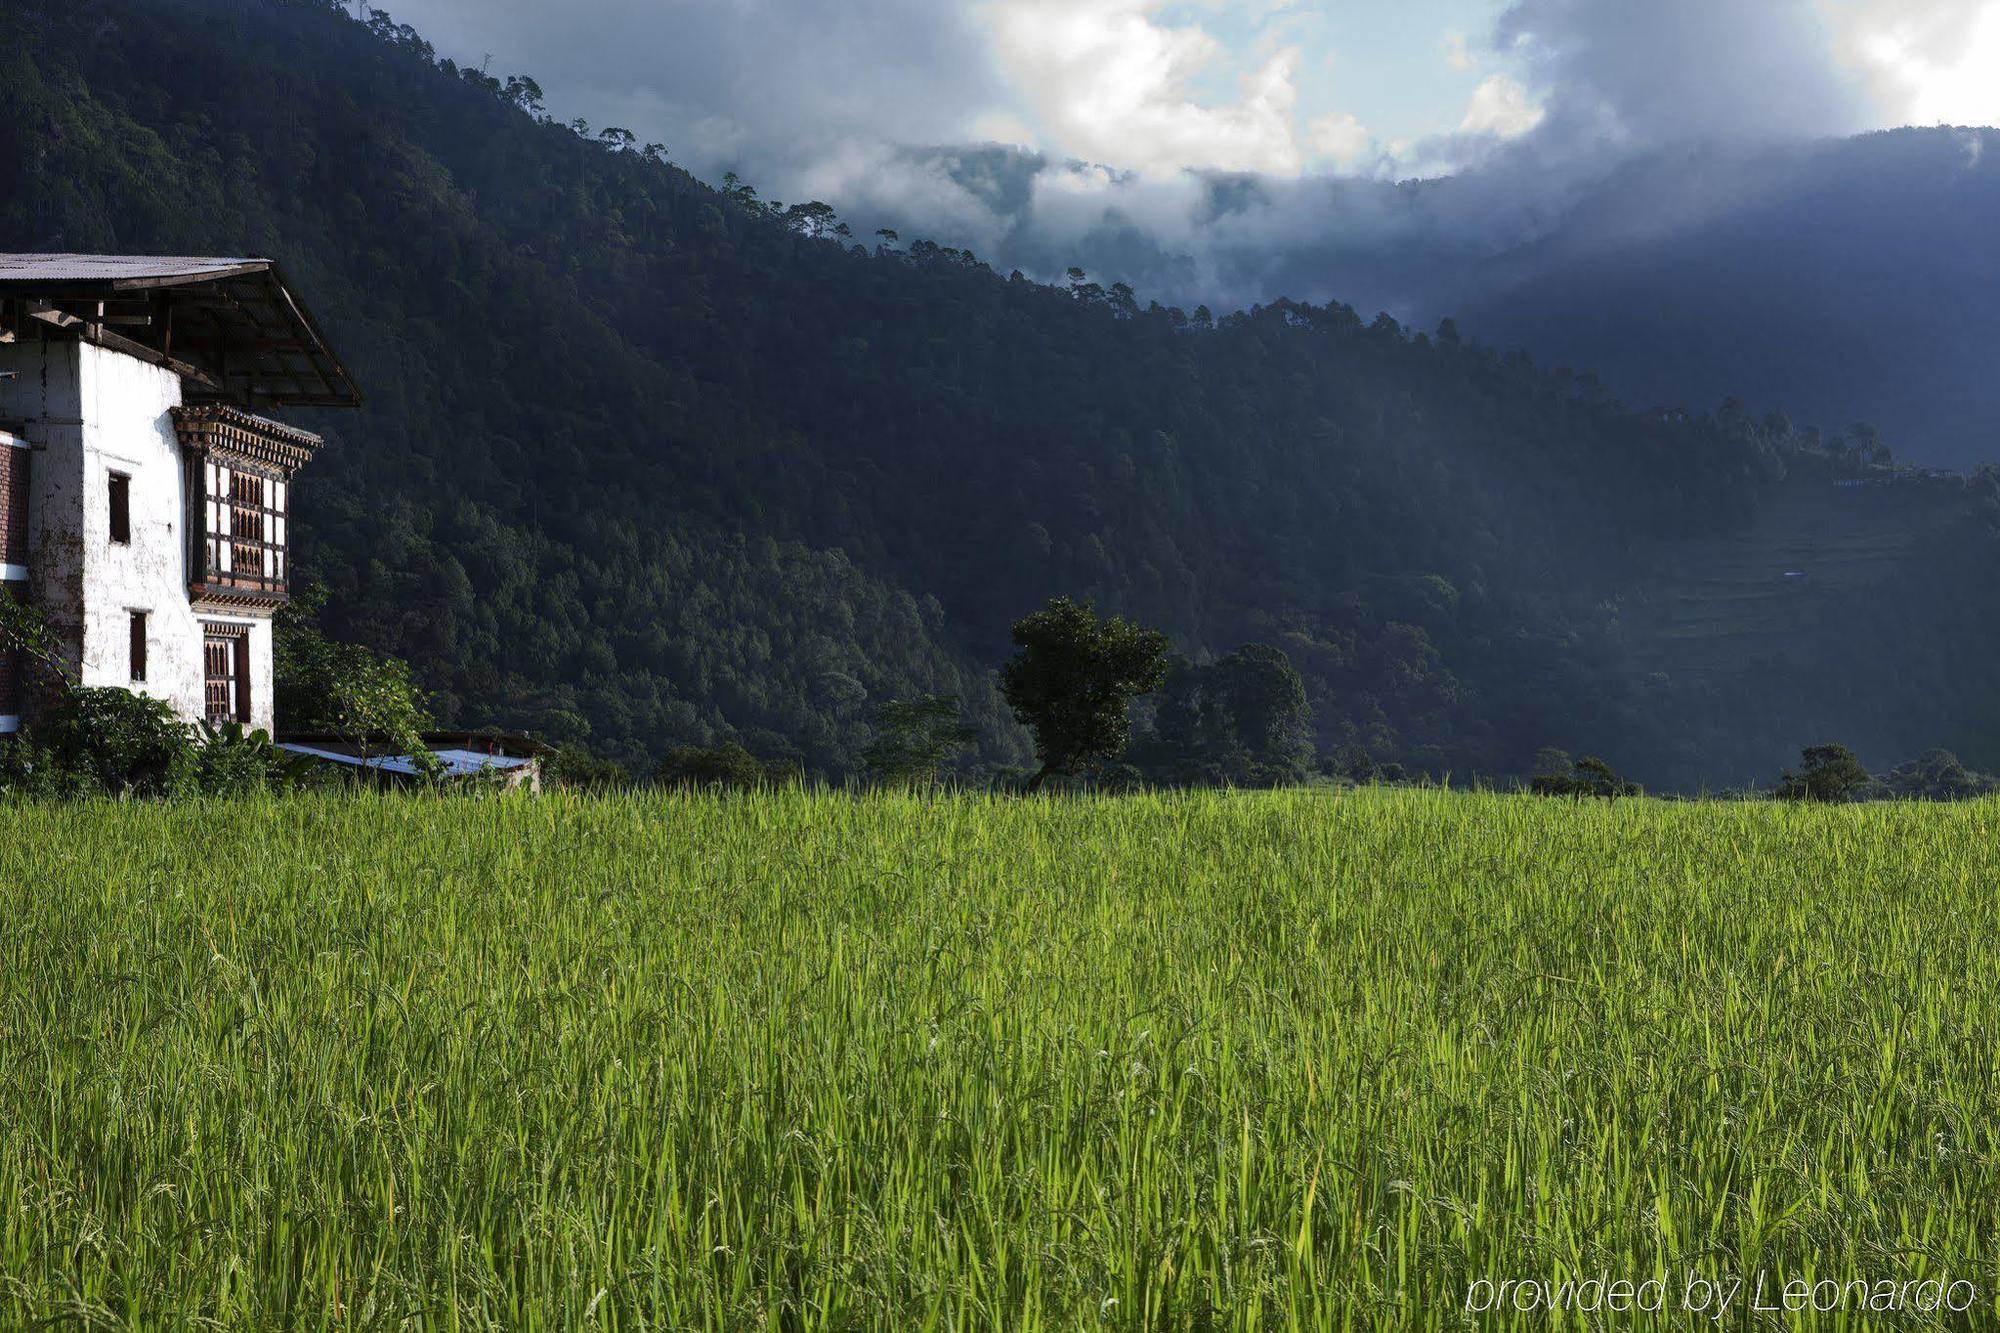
(89, 413)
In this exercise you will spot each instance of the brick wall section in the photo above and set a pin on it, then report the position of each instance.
(13, 503)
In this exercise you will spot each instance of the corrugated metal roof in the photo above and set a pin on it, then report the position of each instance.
(479, 742)
(457, 763)
(117, 268)
(230, 328)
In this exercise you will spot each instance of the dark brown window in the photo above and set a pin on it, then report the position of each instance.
(243, 525)
(225, 655)
(121, 509)
(138, 647)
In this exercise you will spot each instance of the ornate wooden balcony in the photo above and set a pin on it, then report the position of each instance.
(239, 493)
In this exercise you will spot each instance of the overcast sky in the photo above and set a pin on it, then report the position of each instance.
(1121, 116)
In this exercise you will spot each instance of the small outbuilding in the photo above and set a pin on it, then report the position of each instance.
(512, 762)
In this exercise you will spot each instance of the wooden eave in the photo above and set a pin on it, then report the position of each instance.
(226, 598)
(238, 437)
(235, 333)
(244, 269)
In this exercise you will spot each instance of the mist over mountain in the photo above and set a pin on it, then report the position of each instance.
(1684, 196)
(1842, 279)
(646, 463)
(1855, 285)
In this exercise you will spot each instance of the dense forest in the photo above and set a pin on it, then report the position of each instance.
(649, 463)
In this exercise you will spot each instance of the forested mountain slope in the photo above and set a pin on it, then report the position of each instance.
(1844, 279)
(1848, 280)
(645, 465)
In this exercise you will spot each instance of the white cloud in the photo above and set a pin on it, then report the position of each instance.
(1502, 108)
(1940, 66)
(1342, 140)
(1737, 70)
(1103, 79)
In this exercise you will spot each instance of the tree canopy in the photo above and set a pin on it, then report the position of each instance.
(1073, 682)
(1827, 773)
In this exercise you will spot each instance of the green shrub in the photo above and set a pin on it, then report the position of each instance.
(577, 768)
(1587, 777)
(230, 760)
(121, 743)
(722, 768)
(112, 742)
(28, 769)
(1938, 776)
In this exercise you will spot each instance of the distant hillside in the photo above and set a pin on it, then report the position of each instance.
(1848, 281)
(1845, 280)
(644, 464)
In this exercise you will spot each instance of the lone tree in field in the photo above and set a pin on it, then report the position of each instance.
(915, 738)
(1074, 680)
(1829, 773)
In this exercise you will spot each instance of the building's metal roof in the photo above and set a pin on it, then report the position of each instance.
(229, 327)
(481, 742)
(145, 270)
(457, 763)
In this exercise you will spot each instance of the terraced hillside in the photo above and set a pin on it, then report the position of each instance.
(1784, 587)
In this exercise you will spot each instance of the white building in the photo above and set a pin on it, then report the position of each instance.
(144, 497)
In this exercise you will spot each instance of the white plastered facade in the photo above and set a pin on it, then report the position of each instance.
(89, 414)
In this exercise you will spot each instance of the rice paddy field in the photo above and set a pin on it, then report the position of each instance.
(810, 1061)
